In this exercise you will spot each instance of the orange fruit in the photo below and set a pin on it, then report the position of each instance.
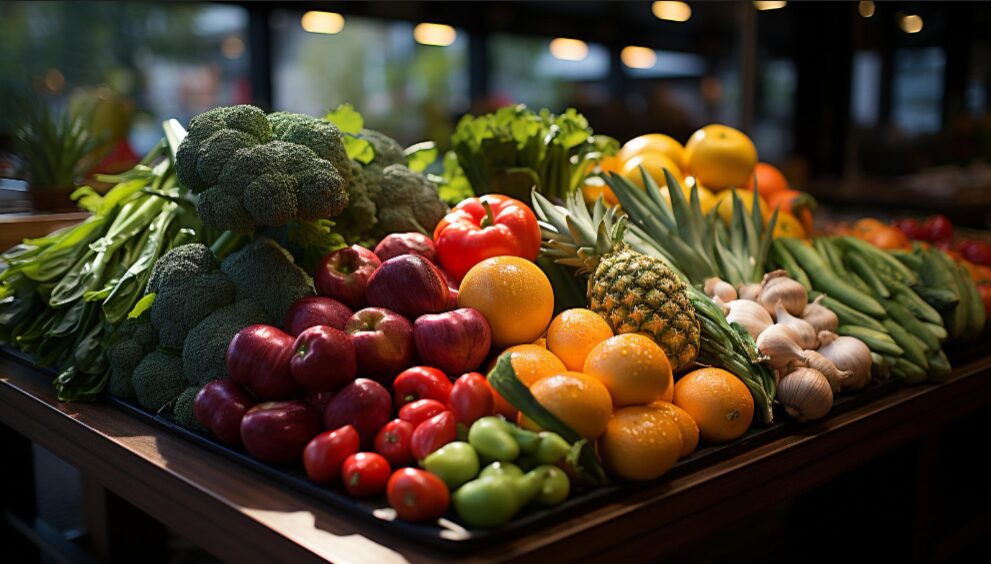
(654, 143)
(720, 157)
(724, 200)
(532, 362)
(640, 443)
(576, 399)
(573, 333)
(541, 342)
(718, 401)
(633, 368)
(610, 163)
(513, 294)
(689, 430)
(593, 187)
(769, 180)
(788, 225)
(654, 164)
(707, 200)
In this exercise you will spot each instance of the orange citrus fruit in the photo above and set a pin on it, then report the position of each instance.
(532, 362)
(724, 200)
(633, 368)
(573, 333)
(576, 399)
(593, 187)
(513, 294)
(720, 157)
(640, 443)
(654, 164)
(769, 180)
(689, 430)
(653, 143)
(718, 401)
(541, 342)
(610, 163)
(787, 225)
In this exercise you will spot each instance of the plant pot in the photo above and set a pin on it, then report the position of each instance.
(50, 199)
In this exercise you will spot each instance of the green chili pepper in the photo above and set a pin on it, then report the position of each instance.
(454, 463)
(502, 489)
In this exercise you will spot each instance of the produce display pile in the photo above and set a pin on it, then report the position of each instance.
(539, 312)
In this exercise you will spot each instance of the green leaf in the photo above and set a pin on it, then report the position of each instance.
(346, 118)
(143, 305)
(421, 155)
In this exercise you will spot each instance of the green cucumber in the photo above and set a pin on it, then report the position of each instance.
(909, 372)
(914, 303)
(787, 262)
(904, 318)
(884, 260)
(847, 314)
(827, 282)
(877, 341)
(907, 342)
(859, 266)
(939, 366)
(913, 261)
(937, 331)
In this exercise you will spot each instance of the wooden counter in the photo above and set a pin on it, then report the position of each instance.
(240, 516)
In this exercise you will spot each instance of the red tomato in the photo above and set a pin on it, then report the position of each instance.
(911, 227)
(985, 291)
(433, 434)
(421, 410)
(365, 474)
(420, 382)
(324, 455)
(417, 495)
(471, 399)
(392, 442)
(976, 251)
(938, 228)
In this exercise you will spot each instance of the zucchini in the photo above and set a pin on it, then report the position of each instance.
(877, 341)
(879, 256)
(847, 314)
(939, 366)
(976, 317)
(913, 351)
(942, 299)
(862, 269)
(784, 259)
(914, 303)
(827, 282)
(913, 261)
(910, 323)
(937, 331)
(909, 372)
(828, 252)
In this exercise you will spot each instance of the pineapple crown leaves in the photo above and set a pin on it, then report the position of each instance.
(574, 237)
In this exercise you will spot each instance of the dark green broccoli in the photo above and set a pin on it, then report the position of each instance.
(253, 170)
(204, 354)
(404, 201)
(158, 380)
(358, 219)
(178, 308)
(265, 272)
(182, 411)
(179, 265)
(387, 150)
(132, 340)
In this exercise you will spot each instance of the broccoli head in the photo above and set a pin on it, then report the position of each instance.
(405, 201)
(204, 354)
(265, 272)
(182, 411)
(180, 264)
(250, 173)
(358, 218)
(158, 380)
(131, 341)
(387, 150)
(178, 308)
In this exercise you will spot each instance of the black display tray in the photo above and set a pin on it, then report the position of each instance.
(447, 533)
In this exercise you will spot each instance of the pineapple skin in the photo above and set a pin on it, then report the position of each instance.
(635, 293)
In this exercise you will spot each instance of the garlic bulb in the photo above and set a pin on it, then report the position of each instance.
(779, 287)
(805, 394)
(749, 291)
(850, 354)
(820, 316)
(803, 329)
(717, 288)
(835, 376)
(780, 344)
(723, 306)
(750, 315)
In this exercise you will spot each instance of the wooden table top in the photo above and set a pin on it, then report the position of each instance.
(241, 516)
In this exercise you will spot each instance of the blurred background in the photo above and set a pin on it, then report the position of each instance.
(858, 102)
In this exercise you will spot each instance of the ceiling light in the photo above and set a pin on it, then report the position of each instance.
(569, 49)
(439, 35)
(672, 11)
(866, 8)
(910, 23)
(322, 22)
(769, 5)
(638, 57)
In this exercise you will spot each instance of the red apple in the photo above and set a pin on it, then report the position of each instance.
(318, 400)
(278, 431)
(383, 342)
(219, 406)
(315, 310)
(409, 285)
(344, 274)
(323, 359)
(405, 244)
(258, 357)
(455, 341)
(364, 403)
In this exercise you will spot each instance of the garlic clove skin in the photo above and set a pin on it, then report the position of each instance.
(751, 315)
(804, 330)
(805, 394)
(779, 287)
(749, 291)
(834, 375)
(820, 316)
(718, 288)
(780, 345)
(849, 354)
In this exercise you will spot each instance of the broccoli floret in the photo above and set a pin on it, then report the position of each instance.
(158, 380)
(358, 218)
(132, 340)
(204, 354)
(182, 411)
(180, 264)
(321, 136)
(405, 201)
(213, 138)
(265, 272)
(387, 150)
(250, 174)
(178, 308)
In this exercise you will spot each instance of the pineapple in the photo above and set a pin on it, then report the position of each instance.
(633, 292)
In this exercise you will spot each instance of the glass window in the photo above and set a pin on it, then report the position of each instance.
(865, 91)
(411, 91)
(670, 64)
(917, 98)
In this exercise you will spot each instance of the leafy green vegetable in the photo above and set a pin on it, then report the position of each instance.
(350, 122)
(421, 155)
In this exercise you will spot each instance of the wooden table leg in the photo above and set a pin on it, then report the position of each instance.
(120, 532)
(17, 495)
